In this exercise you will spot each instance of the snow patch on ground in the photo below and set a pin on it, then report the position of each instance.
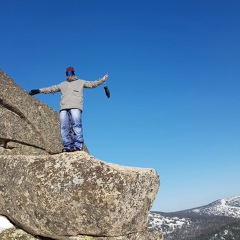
(5, 223)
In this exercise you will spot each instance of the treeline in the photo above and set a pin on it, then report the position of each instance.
(206, 228)
(228, 232)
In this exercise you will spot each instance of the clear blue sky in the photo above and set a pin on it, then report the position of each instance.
(174, 79)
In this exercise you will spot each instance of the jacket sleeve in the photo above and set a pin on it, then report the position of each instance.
(93, 84)
(52, 89)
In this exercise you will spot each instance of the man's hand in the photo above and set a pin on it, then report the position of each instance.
(34, 91)
(105, 77)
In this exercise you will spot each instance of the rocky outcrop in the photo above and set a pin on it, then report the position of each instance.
(75, 193)
(71, 196)
(27, 125)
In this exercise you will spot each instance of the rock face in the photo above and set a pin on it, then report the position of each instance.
(75, 194)
(27, 126)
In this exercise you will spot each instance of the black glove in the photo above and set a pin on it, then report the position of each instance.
(34, 91)
(107, 92)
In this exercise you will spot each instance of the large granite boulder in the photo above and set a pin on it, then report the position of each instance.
(27, 125)
(75, 194)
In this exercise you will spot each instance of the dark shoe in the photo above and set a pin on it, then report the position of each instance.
(76, 149)
(66, 150)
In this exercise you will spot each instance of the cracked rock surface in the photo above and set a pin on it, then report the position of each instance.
(24, 120)
(75, 193)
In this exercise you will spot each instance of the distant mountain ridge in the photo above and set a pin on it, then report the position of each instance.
(217, 220)
(229, 207)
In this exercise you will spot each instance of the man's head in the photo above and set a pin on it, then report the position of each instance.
(70, 72)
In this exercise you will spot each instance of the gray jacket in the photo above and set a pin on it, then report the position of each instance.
(72, 92)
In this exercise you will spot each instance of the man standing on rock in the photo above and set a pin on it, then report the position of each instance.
(71, 106)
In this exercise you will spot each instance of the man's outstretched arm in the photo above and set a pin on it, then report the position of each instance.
(52, 89)
(93, 84)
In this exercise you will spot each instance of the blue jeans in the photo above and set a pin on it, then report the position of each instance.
(71, 128)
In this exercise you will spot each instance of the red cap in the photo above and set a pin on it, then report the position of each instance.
(70, 69)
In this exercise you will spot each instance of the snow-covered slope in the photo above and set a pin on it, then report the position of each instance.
(166, 224)
(229, 207)
(190, 223)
